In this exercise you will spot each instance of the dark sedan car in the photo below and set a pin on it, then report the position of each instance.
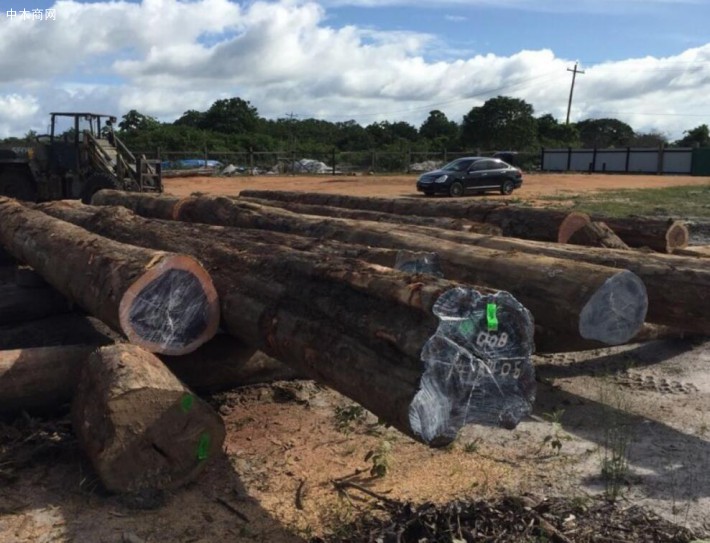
(471, 175)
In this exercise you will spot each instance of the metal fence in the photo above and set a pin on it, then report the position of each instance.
(659, 160)
(333, 162)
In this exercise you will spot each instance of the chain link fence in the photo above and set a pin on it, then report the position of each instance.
(333, 162)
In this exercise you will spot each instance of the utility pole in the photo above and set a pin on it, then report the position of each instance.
(575, 71)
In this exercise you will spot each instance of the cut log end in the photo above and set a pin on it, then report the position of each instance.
(571, 224)
(677, 236)
(478, 367)
(172, 308)
(616, 311)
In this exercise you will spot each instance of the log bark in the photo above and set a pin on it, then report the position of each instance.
(163, 302)
(21, 304)
(515, 221)
(155, 206)
(599, 303)
(369, 332)
(377, 216)
(597, 234)
(699, 251)
(39, 379)
(139, 425)
(662, 236)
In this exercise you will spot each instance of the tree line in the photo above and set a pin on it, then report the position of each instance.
(501, 123)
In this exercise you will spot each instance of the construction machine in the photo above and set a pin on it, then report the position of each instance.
(75, 163)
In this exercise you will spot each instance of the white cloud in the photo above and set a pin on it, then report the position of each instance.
(163, 57)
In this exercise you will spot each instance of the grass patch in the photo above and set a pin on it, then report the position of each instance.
(679, 202)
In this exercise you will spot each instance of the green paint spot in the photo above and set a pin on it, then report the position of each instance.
(466, 327)
(203, 447)
(187, 402)
(492, 317)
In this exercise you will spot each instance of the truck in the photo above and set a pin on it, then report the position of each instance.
(75, 163)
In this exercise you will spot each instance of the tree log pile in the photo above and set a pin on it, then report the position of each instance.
(515, 221)
(429, 321)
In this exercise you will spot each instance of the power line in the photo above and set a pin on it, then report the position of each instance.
(435, 105)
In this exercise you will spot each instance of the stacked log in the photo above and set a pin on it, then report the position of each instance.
(515, 221)
(662, 236)
(18, 304)
(375, 216)
(41, 380)
(142, 429)
(372, 333)
(600, 304)
(163, 302)
(678, 287)
(579, 229)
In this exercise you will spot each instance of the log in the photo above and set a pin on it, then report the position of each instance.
(662, 236)
(571, 224)
(39, 379)
(376, 216)
(156, 205)
(369, 332)
(163, 302)
(597, 234)
(699, 251)
(18, 304)
(66, 329)
(142, 429)
(591, 294)
(684, 306)
(225, 363)
(515, 221)
(588, 292)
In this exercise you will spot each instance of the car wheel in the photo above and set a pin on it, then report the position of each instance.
(96, 182)
(507, 187)
(456, 189)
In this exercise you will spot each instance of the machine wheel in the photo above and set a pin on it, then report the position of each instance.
(456, 189)
(17, 183)
(96, 182)
(507, 187)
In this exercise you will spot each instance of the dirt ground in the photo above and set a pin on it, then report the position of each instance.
(289, 445)
(534, 185)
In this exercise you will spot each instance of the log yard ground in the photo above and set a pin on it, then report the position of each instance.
(617, 448)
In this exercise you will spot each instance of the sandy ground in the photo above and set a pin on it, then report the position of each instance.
(285, 445)
(534, 185)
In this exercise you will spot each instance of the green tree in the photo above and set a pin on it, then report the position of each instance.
(649, 139)
(551, 133)
(500, 123)
(698, 136)
(231, 116)
(134, 120)
(192, 118)
(602, 133)
(386, 133)
(438, 128)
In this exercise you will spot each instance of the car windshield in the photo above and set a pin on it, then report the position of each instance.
(458, 165)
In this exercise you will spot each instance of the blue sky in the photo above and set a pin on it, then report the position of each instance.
(647, 62)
